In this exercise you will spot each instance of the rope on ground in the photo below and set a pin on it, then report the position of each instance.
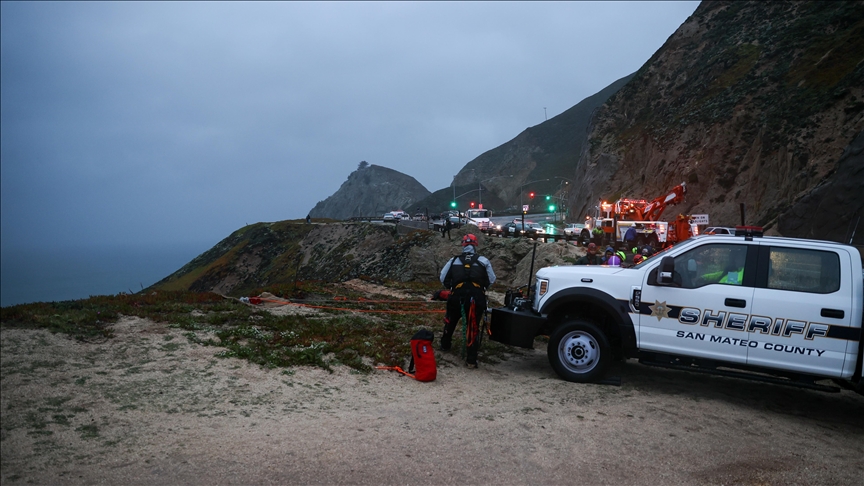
(395, 368)
(381, 311)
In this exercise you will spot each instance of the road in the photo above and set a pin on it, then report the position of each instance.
(544, 219)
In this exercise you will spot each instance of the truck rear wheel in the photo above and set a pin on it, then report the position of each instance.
(579, 351)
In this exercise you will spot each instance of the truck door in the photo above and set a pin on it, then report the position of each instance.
(802, 311)
(705, 311)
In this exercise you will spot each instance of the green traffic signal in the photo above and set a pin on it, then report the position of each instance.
(452, 204)
(548, 197)
(551, 208)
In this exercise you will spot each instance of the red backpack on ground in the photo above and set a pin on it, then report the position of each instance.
(423, 356)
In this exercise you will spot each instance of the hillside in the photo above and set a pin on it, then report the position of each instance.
(369, 191)
(545, 151)
(752, 103)
(273, 255)
(747, 102)
(757, 103)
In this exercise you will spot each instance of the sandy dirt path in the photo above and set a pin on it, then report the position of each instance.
(149, 407)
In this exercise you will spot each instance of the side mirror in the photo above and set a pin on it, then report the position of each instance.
(666, 271)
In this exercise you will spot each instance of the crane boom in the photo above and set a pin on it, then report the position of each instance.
(655, 208)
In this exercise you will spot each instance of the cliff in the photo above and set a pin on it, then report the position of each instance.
(272, 256)
(747, 102)
(371, 190)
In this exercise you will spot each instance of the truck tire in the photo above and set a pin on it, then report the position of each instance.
(579, 351)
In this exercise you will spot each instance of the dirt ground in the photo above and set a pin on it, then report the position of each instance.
(149, 407)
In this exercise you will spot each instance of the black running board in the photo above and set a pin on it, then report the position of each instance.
(744, 375)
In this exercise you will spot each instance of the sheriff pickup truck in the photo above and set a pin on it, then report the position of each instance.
(775, 309)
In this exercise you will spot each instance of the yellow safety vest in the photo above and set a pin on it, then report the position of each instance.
(733, 278)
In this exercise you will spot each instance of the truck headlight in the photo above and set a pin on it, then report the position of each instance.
(542, 287)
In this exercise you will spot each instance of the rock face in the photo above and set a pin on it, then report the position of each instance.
(545, 151)
(840, 194)
(747, 102)
(371, 190)
(270, 256)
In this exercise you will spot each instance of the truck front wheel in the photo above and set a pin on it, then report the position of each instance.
(579, 351)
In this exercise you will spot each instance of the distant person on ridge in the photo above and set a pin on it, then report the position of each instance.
(308, 218)
(467, 276)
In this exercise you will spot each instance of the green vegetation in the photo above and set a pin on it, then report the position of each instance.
(378, 331)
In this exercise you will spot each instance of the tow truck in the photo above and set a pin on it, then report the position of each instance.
(616, 218)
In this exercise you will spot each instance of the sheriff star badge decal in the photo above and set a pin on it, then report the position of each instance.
(659, 310)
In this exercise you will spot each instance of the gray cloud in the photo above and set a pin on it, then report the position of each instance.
(162, 121)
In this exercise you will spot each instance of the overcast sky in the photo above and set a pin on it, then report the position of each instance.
(160, 122)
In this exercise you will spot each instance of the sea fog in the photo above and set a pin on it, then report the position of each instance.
(55, 274)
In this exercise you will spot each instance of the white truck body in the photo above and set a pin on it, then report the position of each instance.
(794, 308)
(479, 218)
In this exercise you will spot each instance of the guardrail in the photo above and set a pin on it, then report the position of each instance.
(436, 226)
(545, 237)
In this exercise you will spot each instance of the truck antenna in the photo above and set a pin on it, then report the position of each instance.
(531, 272)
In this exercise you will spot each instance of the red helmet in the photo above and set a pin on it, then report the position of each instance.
(469, 240)
(637, 258)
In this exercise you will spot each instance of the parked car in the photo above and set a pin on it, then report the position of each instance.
(516, 229)
(389, 217)
(534, 228)
(719, 230)
(573, 229)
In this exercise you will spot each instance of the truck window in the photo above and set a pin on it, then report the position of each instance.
(803, 270)
(711, 264)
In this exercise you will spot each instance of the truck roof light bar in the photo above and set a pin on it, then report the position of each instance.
(748, 231)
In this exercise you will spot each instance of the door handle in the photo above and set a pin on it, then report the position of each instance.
(736, 303)
(835, 313)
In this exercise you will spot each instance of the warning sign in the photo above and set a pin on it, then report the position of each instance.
(699, 218)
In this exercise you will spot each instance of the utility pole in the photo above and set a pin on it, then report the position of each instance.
(454, 187)
(544, 114)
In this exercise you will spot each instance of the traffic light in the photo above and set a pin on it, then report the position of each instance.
(472, 204)
(453, 204)
(531, 195)
(551, 208)
(548, 197)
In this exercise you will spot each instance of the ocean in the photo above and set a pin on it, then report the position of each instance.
(45, 275)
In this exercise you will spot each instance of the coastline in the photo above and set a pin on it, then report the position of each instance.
(70, 273)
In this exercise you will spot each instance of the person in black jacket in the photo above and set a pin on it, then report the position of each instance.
(467, 276)
(591, 257)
